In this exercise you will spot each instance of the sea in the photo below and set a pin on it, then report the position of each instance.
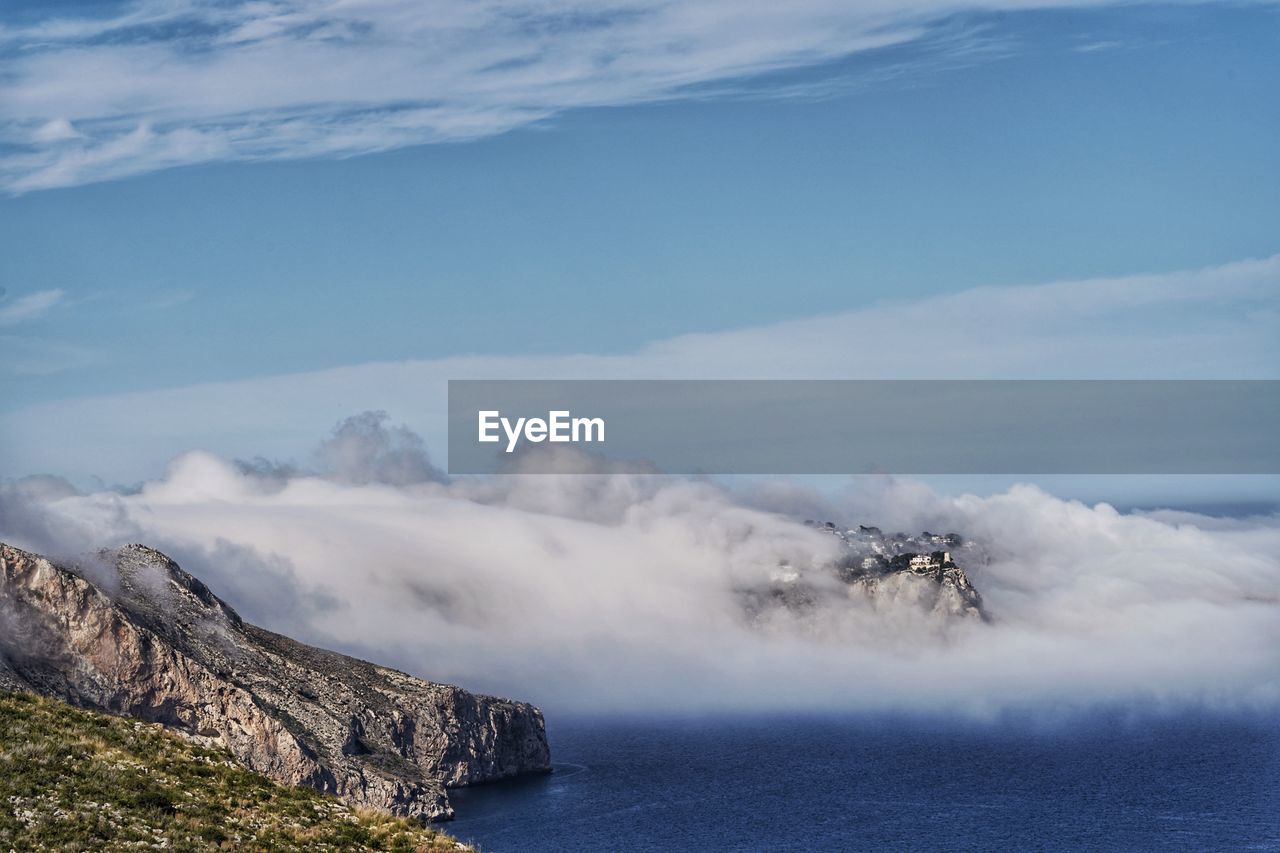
(778, 783)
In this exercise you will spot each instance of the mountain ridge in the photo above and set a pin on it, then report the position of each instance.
(130, 632)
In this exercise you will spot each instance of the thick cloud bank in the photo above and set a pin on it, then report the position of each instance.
(615, 589)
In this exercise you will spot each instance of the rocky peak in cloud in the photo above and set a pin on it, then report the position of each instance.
(896, 576)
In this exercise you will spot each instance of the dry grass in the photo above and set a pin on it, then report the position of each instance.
(78, 780)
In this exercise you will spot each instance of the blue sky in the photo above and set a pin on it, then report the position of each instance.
(228, 227)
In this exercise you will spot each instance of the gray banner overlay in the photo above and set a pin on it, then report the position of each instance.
(865, 426)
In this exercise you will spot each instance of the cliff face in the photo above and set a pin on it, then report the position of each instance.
(137, 635)
(917, 571)
(891, 574)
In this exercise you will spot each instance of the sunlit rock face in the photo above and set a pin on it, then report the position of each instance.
(916, 571)
(906, 579)
(132, 633)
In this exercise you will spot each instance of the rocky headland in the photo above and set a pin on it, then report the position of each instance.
(131, 633)
(893, 574)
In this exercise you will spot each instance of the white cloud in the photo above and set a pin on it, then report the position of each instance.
(1214, 323)
(29, 307)
(161, 84)
(55, 130)
(618, 590)
(32, 355)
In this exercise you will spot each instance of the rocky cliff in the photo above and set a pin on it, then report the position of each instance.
(132, 633)
(919, 571)
(893, 574)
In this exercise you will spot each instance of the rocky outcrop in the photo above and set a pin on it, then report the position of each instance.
(132, 633)
(890, 574)
(916, 571)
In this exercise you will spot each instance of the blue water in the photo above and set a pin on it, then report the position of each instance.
(824, 784)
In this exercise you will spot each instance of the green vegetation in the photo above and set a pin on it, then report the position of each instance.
(79, 780)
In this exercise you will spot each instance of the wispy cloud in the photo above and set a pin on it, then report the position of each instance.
(29, 307)
(1215, 323)
(171, 82)
(1097, 46)
(30, 354)
(167, 299)
(33, 356)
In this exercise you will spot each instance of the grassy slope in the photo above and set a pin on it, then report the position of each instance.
(79, 780)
